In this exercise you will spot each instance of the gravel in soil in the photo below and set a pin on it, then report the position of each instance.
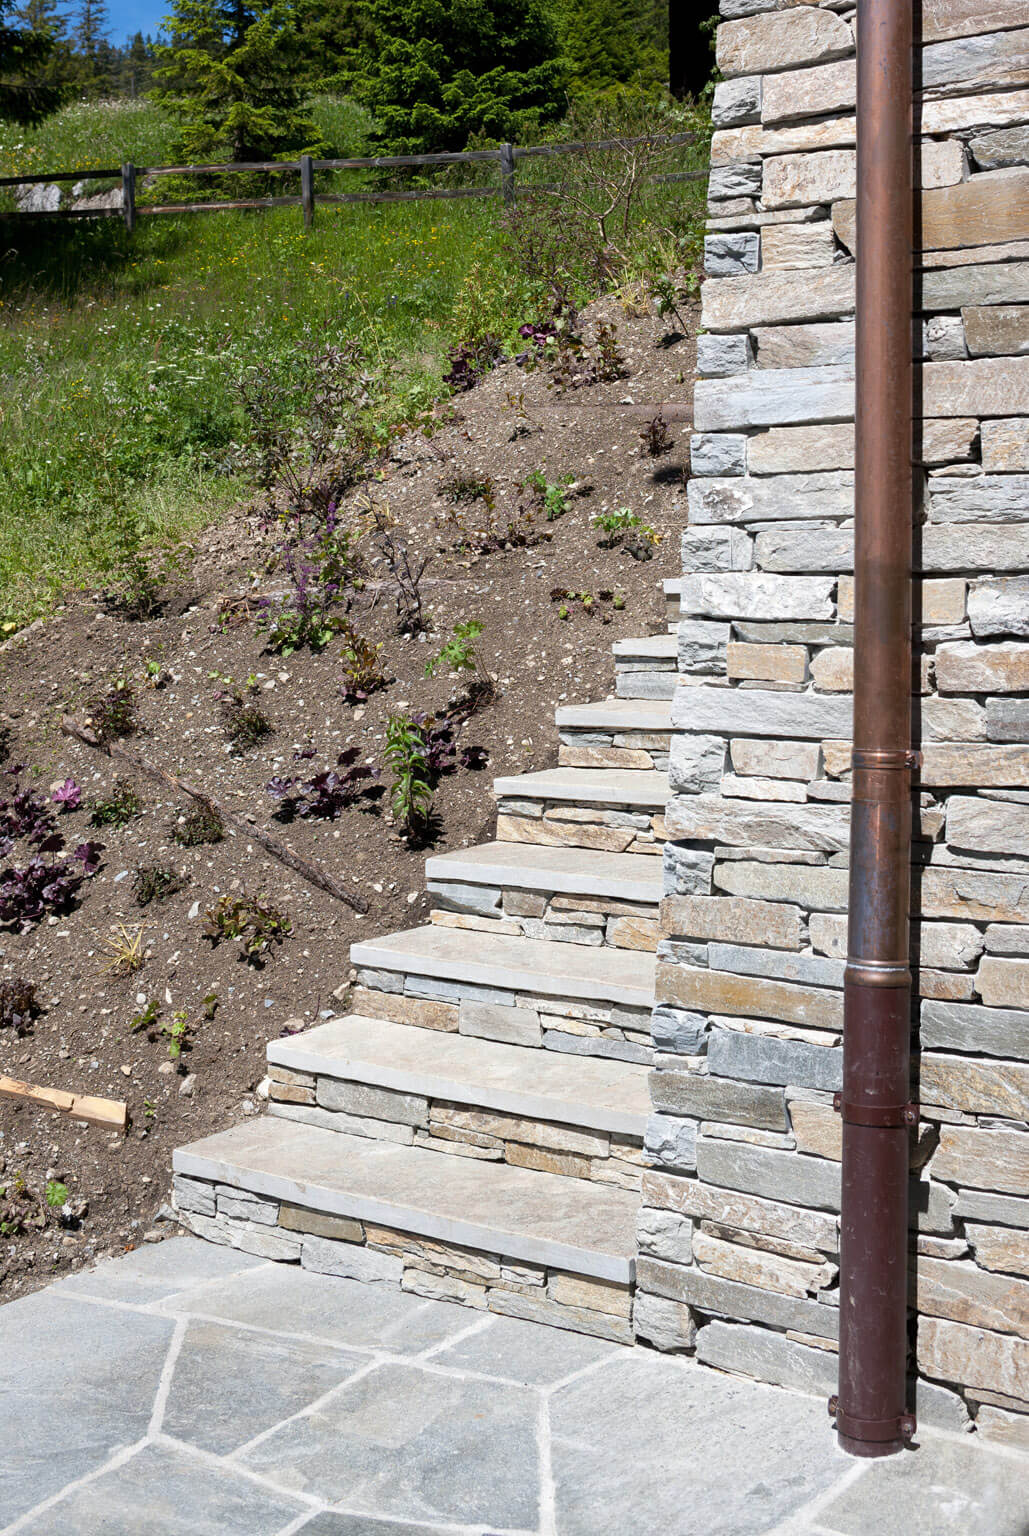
(82, 1040)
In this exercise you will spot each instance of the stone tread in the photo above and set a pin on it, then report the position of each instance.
(514, 964)
(581, 1091)
(593, 786)
(567, 871)
(523, 1215)
(653, 647)
(616, 715)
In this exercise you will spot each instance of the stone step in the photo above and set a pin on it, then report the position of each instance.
(646, 669)
(652, 648)
(309, 1176)
(585, 872)
(419, 1066)
(500, 965)
(616, 733)
(614, 809)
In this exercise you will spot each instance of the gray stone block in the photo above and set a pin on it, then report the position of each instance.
(731, 255)
(1000, 1210)
(454, 896)
(1000, 606)
(351, 1260)
(718, 1098)
(665, 1235)
(591, 1045)
(737, 101)
(193, 1195)
(240, 1205)
(687, 871)
(943, 339)
(767, 1356)
(968, 1026)
(696, 763)
(730, 1298)
(380, 981)
(765, 1059)
(671, 1142)
(746, 961)
(1004, 147)
(487, 1021)
(737, 179)
(678, 1031)
(702, 646)
(766, 1171)
(771, 498)
(667, 1325)
(721, 356)
(762, 712)
(718, 453)
(716, 549)
(1007, 720)
(978, 498)
(372, 1103)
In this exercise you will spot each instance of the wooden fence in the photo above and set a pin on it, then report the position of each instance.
(506, 157)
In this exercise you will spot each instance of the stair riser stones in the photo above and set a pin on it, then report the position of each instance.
(377, 1254)
(645, 750)
(562, 823)
(645, 669)
(616, 1029)
(591, 920)
(357, 1108)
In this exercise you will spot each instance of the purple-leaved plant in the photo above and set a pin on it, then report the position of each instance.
(325, 795)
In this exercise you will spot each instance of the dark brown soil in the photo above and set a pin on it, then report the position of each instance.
(82, 1039)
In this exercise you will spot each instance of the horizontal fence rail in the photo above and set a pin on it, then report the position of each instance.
(506, 157)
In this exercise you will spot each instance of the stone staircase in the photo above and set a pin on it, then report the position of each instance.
(472, 1127)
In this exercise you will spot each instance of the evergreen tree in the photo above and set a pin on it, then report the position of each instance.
(232, 75)
(332, 34)
(90, 29)
(437, 72)
(602, 43)
(28, 89)
(135, 66)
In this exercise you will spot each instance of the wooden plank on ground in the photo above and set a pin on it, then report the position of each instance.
(80, 1106)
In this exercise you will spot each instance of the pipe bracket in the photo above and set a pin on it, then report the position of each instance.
(879, 1116)
(900, 1427)
(877, 973)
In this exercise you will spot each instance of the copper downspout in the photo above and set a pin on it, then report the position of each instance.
(870, 1410)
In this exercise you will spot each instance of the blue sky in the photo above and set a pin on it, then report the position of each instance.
(128, 16)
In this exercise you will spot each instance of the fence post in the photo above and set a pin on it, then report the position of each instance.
(307, 189)
(128, 195)
(507, 172)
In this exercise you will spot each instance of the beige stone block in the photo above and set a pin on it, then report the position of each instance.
(544, 1161)
(588, 815)
(943, 601)
(982, 1159)
(945, 986)
(965, 18)
(605, 906)
(825, 176)
(753, 1266)
(992, 110)
(775, 759)
(752, 1213)
(443, 1287)
(766, 663)
(1004, 1428)
(404, 1010)
(965, 667)
(1000, 1248)
(989, 208)
(952, 765)
(779, 298)
(286, 1093)
(520, 829)
(1005, 445)
(942, 164)
(474, 924)
(794, 247)
(602, 757)
(965, 1293)
(751, 787)
(633, 933)
(798, 450)
(754, 140)
(974, 1357)
(817, 1128)
(541, 1133)
(781, 40)
(1004, 983)
(733, 920)
(976, 1086)
(832, 670)
(277, 1074)
(541, 1309)
(460, 1144)
(762, 1241)
(297, 1219)
(524, 903)
(596, 1295)
(813, 92)
(465, 1263)
(984, 386)
(973, 894)
(949, 440)
(997, 330)
(749, 996)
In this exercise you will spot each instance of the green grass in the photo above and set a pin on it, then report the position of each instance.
(120, 356)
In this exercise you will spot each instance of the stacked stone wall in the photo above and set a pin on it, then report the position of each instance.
(738, 1237)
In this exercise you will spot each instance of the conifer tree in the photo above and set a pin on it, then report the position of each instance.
(438, 72)
(29, 88)
(232, 75)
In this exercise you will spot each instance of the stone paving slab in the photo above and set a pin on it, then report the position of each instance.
(184, 1391)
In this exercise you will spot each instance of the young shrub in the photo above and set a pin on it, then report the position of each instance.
(406, 758)
(407, 575)
(42, 888)
(362, 668)
(460, 654)
(112, 713)
(139, 575)
(201, 824)
(470, 361)
(624, 529)
(327, 794)
(243, 720)
(119, 807)
(551, 497)
(250, 920)
(655, 436)
(154, 882)
(18, 1005)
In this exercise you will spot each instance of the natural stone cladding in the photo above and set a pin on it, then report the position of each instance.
(363, 1250)
(738, 1231)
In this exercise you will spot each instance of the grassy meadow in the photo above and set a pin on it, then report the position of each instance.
(120, 356)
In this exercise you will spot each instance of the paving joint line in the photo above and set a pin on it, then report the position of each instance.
(117, 1458)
